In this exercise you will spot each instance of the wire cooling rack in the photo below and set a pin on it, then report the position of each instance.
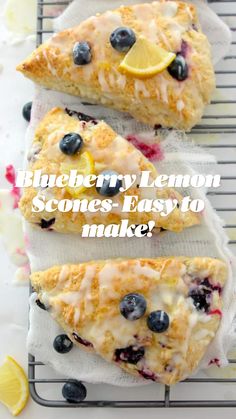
(216, 131)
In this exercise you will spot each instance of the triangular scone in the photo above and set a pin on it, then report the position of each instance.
(85, 300)
(160, 99)
(109, 151)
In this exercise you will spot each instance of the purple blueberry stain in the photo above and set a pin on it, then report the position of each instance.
(162, 345)
(81, 116)
(153, 152)
(194, 27)
(169, 368)
(206, 283)
(148, 375)
(82, 341)
(184, 49)
(130, 355)
(214, 361)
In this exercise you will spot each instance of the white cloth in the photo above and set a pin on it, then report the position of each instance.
(49, 248)
(216, 30)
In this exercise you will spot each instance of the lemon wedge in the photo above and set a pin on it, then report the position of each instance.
(146, 59)
(14, 389)
(84, 166)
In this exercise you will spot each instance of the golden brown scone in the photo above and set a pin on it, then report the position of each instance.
(85, 299)
(109, 151)
(160, 99)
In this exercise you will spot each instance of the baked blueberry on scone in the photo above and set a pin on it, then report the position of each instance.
(66, 140)
(154, 318)
(151, 60)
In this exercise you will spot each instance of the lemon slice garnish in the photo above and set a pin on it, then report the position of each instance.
(84, 165)
(14, 389)
(146, 59)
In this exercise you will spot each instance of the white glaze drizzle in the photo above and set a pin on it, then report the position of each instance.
(51, 68)
(180, 105)
(163, 88)
(88, 71)
(111, 79)
(76, 298)
(64, 273)
(117, 326)
(140, 270)
(164, 39)
(188, 11)
(62, 279)
(104, 25)
(168, 9)
(105, 277)
(120, 80)
(148, 25)
(139, 87)
(102, 81)
(124, 160)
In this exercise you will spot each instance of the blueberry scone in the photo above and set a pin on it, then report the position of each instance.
(150, 60)
(152, 317)
(67, 141)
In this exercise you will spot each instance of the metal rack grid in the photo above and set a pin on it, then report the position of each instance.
(216, 131)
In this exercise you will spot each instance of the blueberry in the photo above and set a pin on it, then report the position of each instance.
(26, 111)
(122, 39)
(201, 299)
(71, 143)
(131, 354)
(158, 321)
(178, 69)
(62, 344)
(106, 189)
(82, 53)
(133, 306)
(46, 224)
(74, 391)
(40, 304)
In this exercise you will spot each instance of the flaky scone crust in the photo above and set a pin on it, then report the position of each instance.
(109, 151)
(157, 100)
(85, 299)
